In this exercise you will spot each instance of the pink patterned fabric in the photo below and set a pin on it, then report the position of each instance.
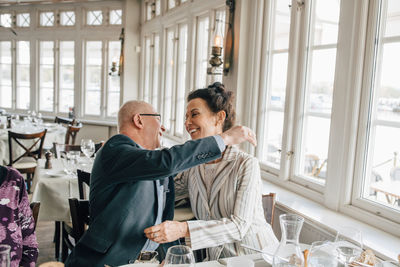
(16, 220)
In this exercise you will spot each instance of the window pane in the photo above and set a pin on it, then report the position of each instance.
(326, 21)
(23, 75)
(156, 67)
(5, 75)
(23, 20)
(93, 77)
(66, 79)
(116, 17)
(181, 80)
(392, 27)
(46, 77)
(114, 51)
(171, 4)
(158, 7)
(67, 18)
(202, 53)
(5, 20)
(381, 177)
(94, 17)
(169, 63)
(315, 142)
(273, 138)
(148, 11)
(282, 26)
(388, 106)
(147, 59)
(47, 19)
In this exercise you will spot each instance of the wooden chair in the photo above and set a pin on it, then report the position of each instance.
(80, 220)
(83, 178)
(63, 120)
(35, 206)
(27, 162)
(72, 131)
(268, 202)
(65, 147)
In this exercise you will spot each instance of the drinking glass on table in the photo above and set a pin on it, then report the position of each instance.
(180, 255)
(349, 244)
(87, 147)
(69, 160)
(323, 253)
(5, 255)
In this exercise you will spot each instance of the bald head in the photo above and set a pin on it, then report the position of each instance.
(130, 108)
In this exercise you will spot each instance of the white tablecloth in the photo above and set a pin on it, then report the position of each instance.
(53, 192)
(256, 258)
(55, 133)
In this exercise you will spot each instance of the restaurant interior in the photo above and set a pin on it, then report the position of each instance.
(317, 81)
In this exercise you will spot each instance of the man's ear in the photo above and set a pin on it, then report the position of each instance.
(137, 121)
(221, 115)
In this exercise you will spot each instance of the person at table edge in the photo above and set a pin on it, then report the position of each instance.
(132, 185)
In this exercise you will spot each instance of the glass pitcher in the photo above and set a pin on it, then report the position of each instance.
(288, 253)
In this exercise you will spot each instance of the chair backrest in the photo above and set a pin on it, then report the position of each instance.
(30, 150)
(83, 178)
(65, 147)
(268, 202)
(35, 206)
(79, 216)
(63, 120)
(72, 131)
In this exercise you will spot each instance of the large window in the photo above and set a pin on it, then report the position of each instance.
(48, 74)
(379, 174)
(202, 48)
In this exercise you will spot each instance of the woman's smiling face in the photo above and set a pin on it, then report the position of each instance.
(201, 121)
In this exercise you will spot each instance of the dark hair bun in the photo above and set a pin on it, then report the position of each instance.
(217, 99)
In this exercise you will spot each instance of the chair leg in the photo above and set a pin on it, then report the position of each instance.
(64, 246)
(56, 240)
(29, 182)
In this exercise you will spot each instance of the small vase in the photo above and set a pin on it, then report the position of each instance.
(288, 253)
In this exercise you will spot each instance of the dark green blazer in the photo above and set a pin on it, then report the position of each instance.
(123, 197)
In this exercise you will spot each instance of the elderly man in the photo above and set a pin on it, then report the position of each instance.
(132, 186)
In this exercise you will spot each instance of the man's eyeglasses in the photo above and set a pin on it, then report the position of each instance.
(151, 114)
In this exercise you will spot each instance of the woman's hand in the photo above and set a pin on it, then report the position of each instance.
(167, 231)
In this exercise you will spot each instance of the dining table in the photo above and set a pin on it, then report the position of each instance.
(55, 133)
(53, 187)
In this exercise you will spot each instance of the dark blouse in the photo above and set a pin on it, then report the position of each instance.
(17, 223)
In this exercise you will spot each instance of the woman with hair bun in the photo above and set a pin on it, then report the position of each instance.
(225, 195)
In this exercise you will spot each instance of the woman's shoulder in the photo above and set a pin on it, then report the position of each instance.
(11, 174)
(240, 156)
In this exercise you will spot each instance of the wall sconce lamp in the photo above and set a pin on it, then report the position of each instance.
(216, 50)
(218, 40)
(114, 71)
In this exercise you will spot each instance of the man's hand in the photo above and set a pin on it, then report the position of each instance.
(167, 231)
(239, 134)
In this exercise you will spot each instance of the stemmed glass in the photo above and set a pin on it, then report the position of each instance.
(180, 255)
(5, 255)
(87, 147)
(349, 244)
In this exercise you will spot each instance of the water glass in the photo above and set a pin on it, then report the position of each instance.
(87, 147)
(69, 160)
(349, 244)
(5, 255)
(323, 254)
(179, 255)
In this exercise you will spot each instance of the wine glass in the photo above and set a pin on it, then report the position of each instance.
(87, 147)
(323, 253)
(179, 255)
(349, 244)
(5, 255)
(68, 162)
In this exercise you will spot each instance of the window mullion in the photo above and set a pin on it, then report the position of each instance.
(14, 73)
